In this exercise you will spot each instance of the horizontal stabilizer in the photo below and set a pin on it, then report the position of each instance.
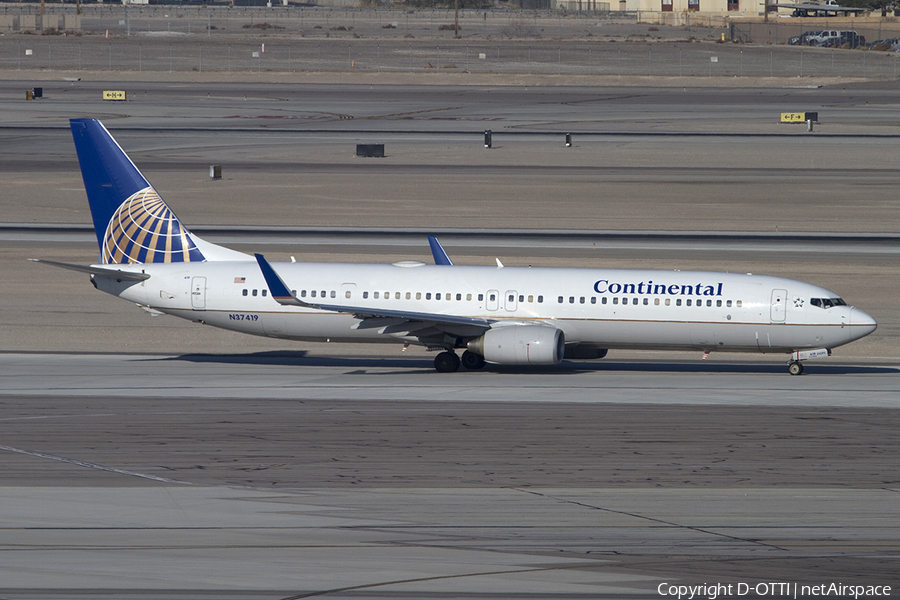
(118, 274)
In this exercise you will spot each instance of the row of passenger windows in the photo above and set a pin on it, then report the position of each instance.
(442, 296)
(656, 301)
(827, 302)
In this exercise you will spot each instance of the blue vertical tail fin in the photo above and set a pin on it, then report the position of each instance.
(133, 224)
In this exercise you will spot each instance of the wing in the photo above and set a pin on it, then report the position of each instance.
(428, 327)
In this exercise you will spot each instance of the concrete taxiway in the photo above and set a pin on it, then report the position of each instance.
(283, 476)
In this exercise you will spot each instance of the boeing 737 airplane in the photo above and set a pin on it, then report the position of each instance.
(501, 315)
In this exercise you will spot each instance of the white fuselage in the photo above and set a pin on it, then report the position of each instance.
(602, 308)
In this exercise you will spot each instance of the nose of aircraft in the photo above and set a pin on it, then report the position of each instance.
(861, 323)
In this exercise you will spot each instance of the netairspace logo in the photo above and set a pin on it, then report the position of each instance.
(772, 590)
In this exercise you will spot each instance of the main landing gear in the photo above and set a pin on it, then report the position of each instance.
(472, 361)
(795, 368)
(448, 362)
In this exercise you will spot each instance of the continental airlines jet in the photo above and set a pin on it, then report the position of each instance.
(500, 315)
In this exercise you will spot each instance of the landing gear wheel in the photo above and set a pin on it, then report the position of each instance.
(473, 361)
(446, 362)
(795, 368)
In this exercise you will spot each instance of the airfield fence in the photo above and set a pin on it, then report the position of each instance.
(532, 57)
(120, 38)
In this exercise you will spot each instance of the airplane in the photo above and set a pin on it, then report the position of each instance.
(829, 8)
(495, 314)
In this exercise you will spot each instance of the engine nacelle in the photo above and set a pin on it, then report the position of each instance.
(521, 345)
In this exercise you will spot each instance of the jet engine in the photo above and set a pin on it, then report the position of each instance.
(521, 345)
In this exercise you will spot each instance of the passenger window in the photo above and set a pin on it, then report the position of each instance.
(293, 292)
(656, 302)
(244, 291)
(428, 297)
(540, 299)
(333, 294)
(687, 302)
(571, 299)
(668, 302)
(678, 302)
(728, 304)
(365, 294)
(646, 301)
(493, 297)
(718, 303)
(468, 297)
(408, 295)
(254, 293)
(581, 300)
(396, 295)
(615, 300)
(512, 297)
(709, 302)
(521, 298)
(387, 295)
(593, 299)
(560, 299)
(375, 295)
(530, 298)
(323, 293)
(264, 293)
(302, 293)
(603, 301)
(480, 297)
(347, 294)
(738, 304)
(459, 297)
(418, 295)
(634, 301)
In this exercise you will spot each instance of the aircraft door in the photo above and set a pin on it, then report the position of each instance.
(348, 294)
(198, 293)
(509, 300)
(493, 300)
(778, 301)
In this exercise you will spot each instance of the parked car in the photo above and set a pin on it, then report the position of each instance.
(802, 39)
(888, 44)
(836, 39)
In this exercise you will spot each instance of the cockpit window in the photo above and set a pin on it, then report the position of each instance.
(827, 302)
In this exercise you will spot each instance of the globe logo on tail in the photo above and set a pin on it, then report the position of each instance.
(145, 230)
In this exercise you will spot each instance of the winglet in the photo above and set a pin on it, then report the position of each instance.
(277, 287)
(440, 257)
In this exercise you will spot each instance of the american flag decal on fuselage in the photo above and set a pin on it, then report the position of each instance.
(145, 230)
